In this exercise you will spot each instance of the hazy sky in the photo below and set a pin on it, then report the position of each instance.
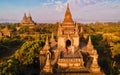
(53, 10)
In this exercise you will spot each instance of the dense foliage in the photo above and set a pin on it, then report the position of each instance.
(24, 61)
(28, 52)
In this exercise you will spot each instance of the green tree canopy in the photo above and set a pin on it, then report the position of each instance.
(115, 49)
(28, 52)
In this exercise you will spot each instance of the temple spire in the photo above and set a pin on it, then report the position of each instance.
(47, 46)
(29, 15)
(48, 68)
(68, 16)
(52, 38)
(94, 65)
(89, 44)
(76, 29)
(25, 16)
(89, 40)
(68, 6)
(29, 19)
(24, 19)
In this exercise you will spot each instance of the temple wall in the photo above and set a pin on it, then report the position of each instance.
(76, 63)
(42, 60)
(76, 41)
(61, 42)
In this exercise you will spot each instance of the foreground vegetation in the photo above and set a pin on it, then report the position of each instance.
(20, 55)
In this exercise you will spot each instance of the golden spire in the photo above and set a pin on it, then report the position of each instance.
(24, 17)
(29, 15)
(68, 16)
(76, 32)
(89, 47)
(68, 13)
(48, 68)
(47, 46)
(52, 38)
(89, 44)
(89, 41)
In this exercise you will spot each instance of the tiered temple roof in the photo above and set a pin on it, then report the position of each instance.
(67, 57)
(47, 46)
(94, 68)
(27, 20)
(68, 17)
(89, 47)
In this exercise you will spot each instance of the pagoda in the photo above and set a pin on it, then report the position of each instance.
(64, 56)
(27, 20)
(68, 31)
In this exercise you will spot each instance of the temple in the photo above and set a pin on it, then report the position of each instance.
(66, 55)
(6, 32)
(27, 20)
(68, 32)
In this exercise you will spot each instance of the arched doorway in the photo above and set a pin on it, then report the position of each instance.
(68, 43)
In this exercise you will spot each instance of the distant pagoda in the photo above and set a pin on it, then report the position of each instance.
(27, 20)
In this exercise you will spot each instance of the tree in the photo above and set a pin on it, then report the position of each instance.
(11, 67)
(24, 60)
(28, 52)
(115, 49)
(24, 29)
(116, 59)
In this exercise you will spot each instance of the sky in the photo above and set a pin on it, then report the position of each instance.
(53, 10)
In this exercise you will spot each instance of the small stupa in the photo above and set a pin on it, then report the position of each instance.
(89, 47)
(52, 40)
(48, 68)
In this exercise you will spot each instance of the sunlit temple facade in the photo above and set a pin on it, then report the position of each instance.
(66, 55)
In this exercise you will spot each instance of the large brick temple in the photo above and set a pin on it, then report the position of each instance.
(27, 21)
(65, 57)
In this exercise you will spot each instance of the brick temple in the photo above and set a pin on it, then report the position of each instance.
(66, 55)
